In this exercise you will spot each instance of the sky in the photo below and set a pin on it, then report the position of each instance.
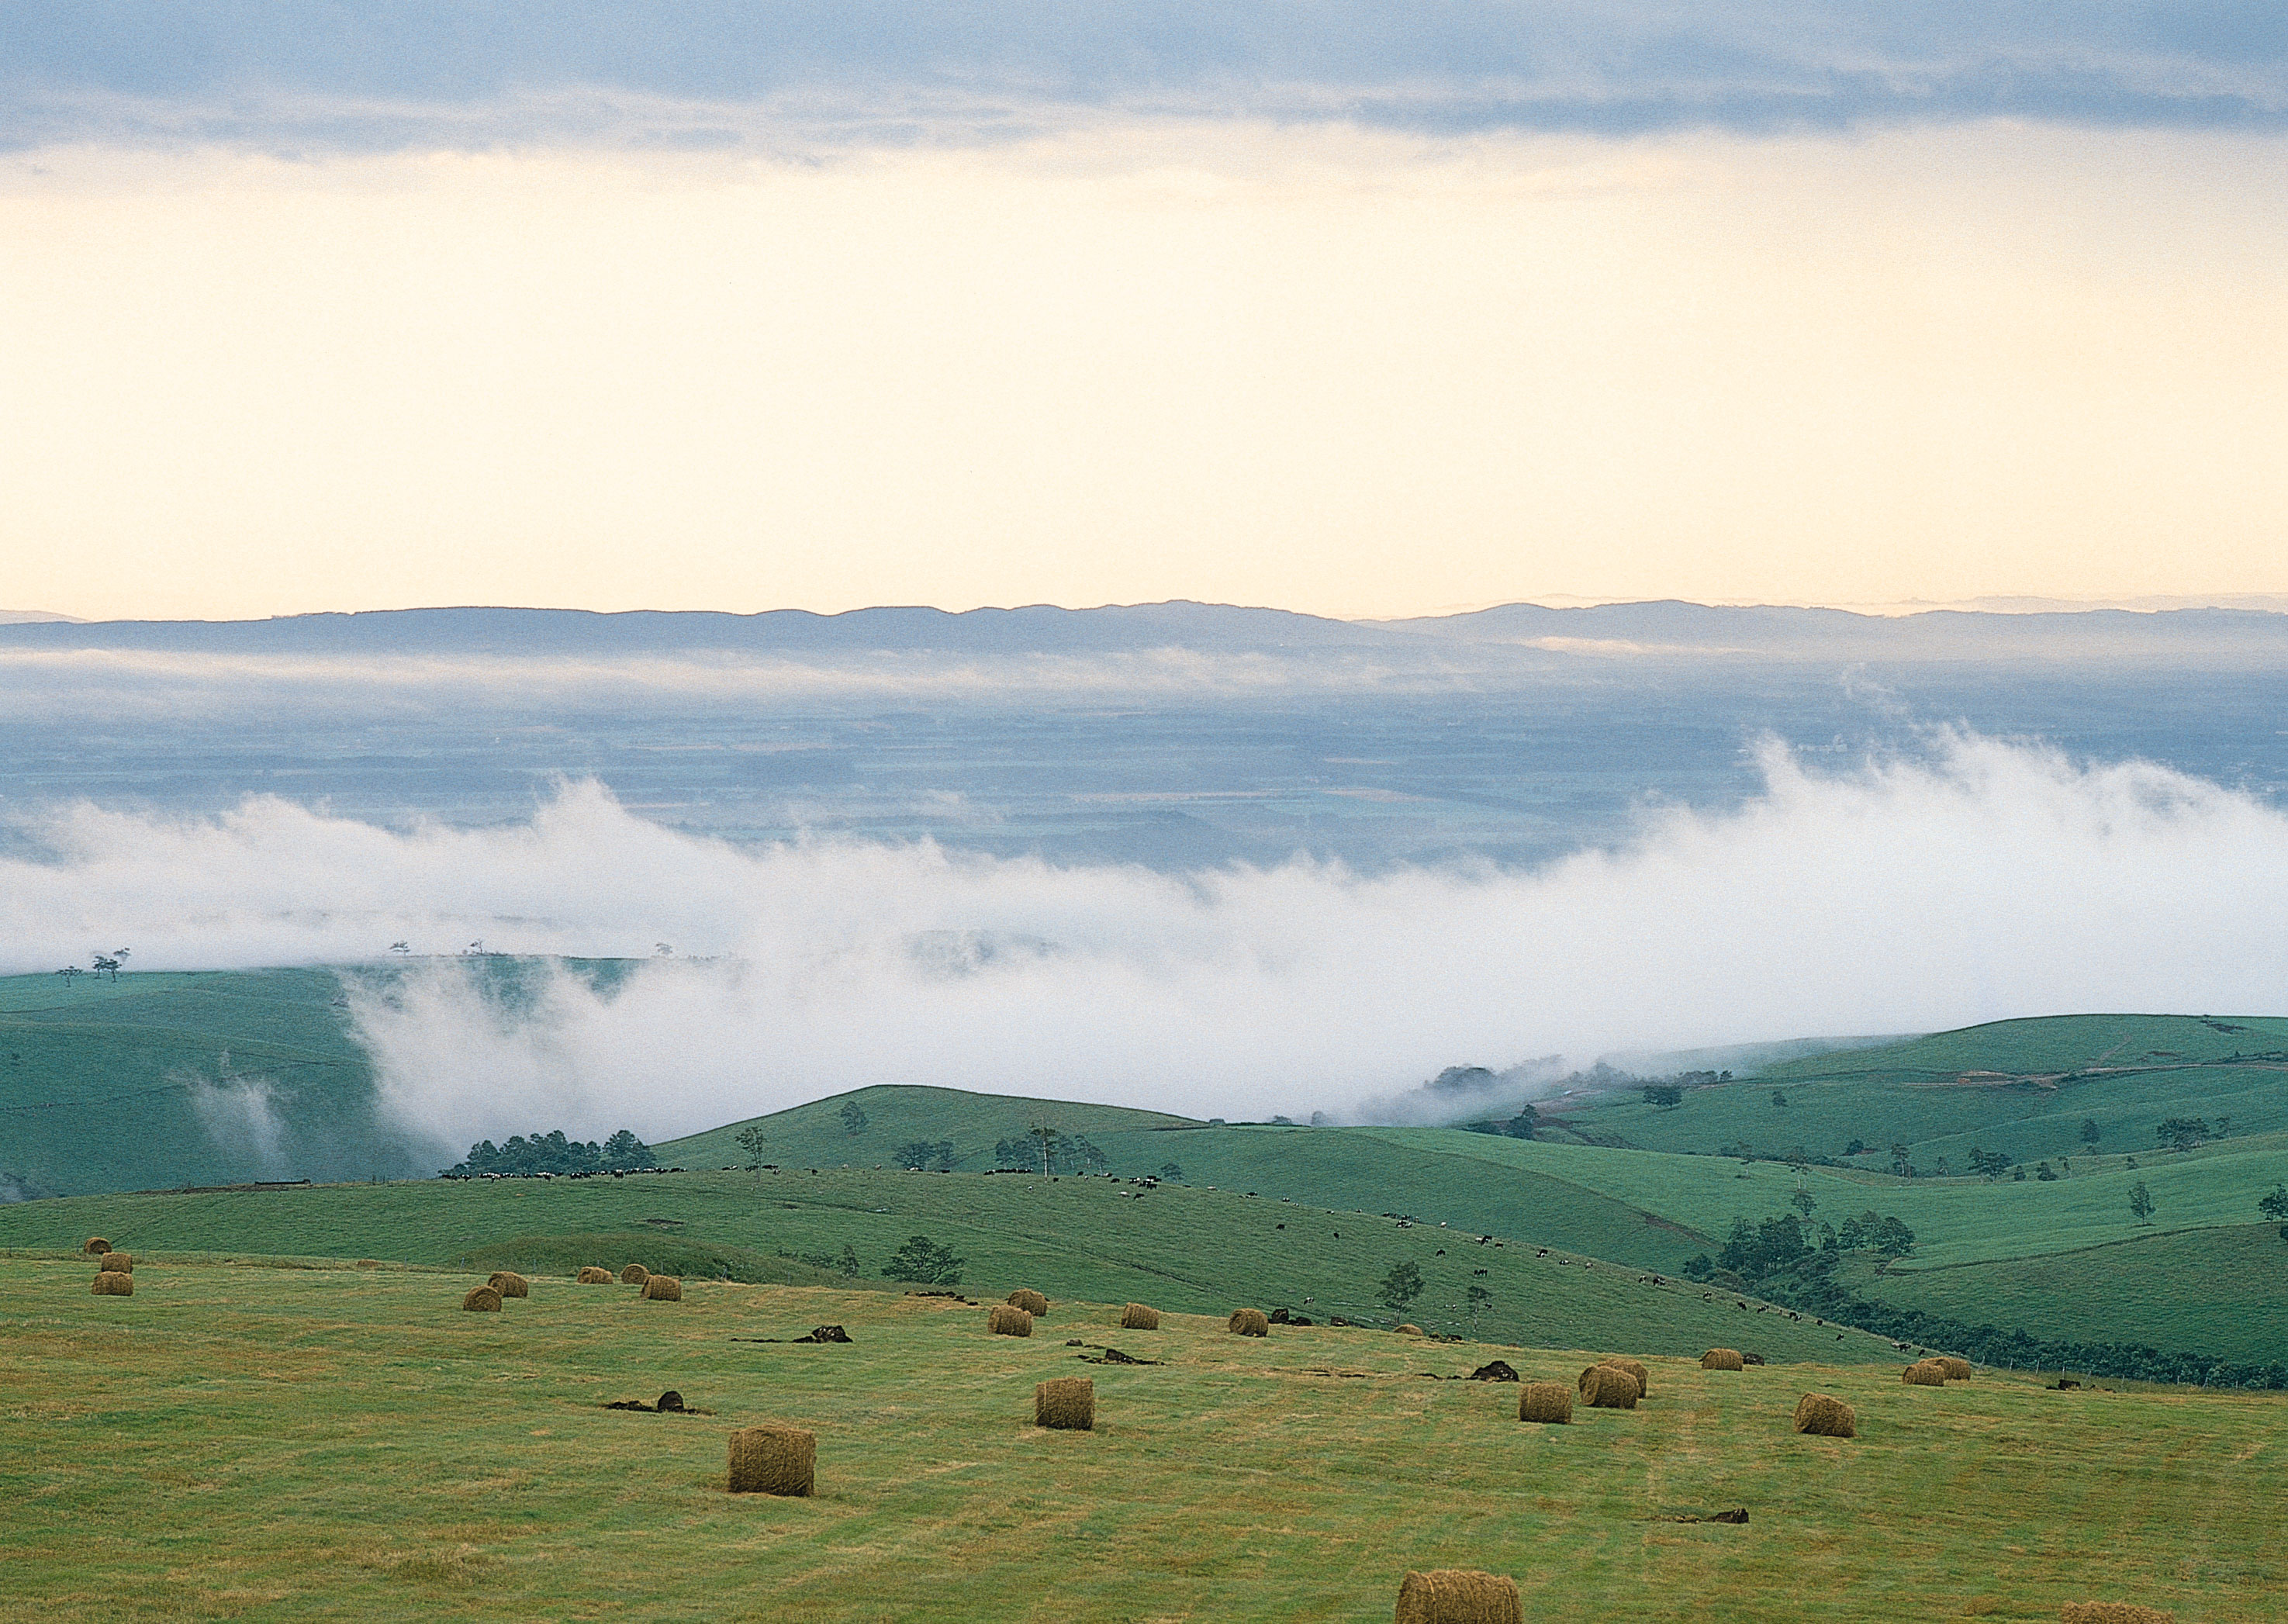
(1357, 309)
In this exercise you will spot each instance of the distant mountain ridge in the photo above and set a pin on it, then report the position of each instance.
(1665, 628)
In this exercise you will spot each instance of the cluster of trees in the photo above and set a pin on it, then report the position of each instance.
(1756, 1253)
(552, 1152)
(1044, 1149)
(924, 1262)
(846, 1265)
(853, 1118)
(1520, 1127)
(929, 1155)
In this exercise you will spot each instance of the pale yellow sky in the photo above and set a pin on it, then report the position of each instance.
(1346, 374)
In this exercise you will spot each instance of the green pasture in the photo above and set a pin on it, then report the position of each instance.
(1196, 1251)
(817, 1135)
(254, 1443)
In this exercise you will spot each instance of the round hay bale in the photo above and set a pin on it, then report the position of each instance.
(1003, 1320)
(2112, 1612)
(1136, 1316)
(509, 1283)
(110, 1284)
(1607, 1387)
(1722, 1358)
(1957, 1370)
(593, 1276)
(1067, 1403)
(773, 1459)
(1548, 1401)
(1924, 1373)
(634, 1274)
(1410, 1330)
(1824, 1416)
(671, 1403)
(96, 1244)
(1248, 1322)
(483, 1300)
(1635, 1367)
(1459, 1595)
(1032, 1301)
(115, 1263)
(662, 1288)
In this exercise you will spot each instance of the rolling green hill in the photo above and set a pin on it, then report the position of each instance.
(821, 1134)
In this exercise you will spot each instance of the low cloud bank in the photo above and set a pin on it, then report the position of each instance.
(1981, 880)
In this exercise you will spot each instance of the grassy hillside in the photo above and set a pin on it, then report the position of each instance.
(159, 1079)
(1196, 1251)
(818, 1135)
(290, 1443)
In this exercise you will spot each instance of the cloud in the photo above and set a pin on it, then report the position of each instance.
(1983, 880)
(708, 73)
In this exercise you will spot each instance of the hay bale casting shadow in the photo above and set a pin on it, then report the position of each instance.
(1248, 1322)
(1067, 1403)
(1722, 1358)
(509, 1283)
(1032, 1301)
(593, 1276)
(1459, 1595)
(2112, 1612)
(1003, 1320)
(96, 1245)
(1607, 1387)
(1824, 1416)
(1545, 1401)
(634, 1274)
(774, 1460)
(1924, 1373)
(1136, 1316)
(483, 1300)
(110, 1284)
(662, 1288)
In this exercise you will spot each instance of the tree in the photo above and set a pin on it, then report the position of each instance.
(853, 1118)
(2274, 1206)
(103, 963)
(849, 1264)
(624, 1151)
(1900, 1164)
(1401, 1287)
(2140, 1203)
(1857, 1147)
(1170, 1171)
(1779, 1098)
(2181, 1133)
(401, 949)
(918, 1153)
(924, 1262)
(1803, 1202)
(1480, 1299)
(2044, 1174)
(1522, 1125)
(2088, 1132)
(1993, 1164)
(1662, 1095)
(751, 1140)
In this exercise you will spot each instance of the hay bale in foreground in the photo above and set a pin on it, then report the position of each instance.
(662, 1288)
(593, 1276)
(1545, 1401)
(1248, 1322)
(1136, 1316)
(774, 1460)
(1722, 1358)
(1032, 1301)
(2112, 1612)
(634, 1274)
(1067, 1403)
(110, 1284)
(96, 1244)
(1607, 1387)
(1924, 1373)
(1003, 1320)
(1957, 1370)
(509, 1283)
(1459, 1595)
(483, 1300)
(1824, 1416)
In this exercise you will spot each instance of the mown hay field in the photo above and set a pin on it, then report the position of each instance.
(240, 1441)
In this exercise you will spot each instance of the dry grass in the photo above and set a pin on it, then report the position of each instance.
(1003, 1320)
(1545, 1401)
(772, 1459)
(2112, 1612)
(1248, 1322)
(1824, 1416)
(662, 1288)
(1458, 1595)
(1137, 1317)
(1065, 1403)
